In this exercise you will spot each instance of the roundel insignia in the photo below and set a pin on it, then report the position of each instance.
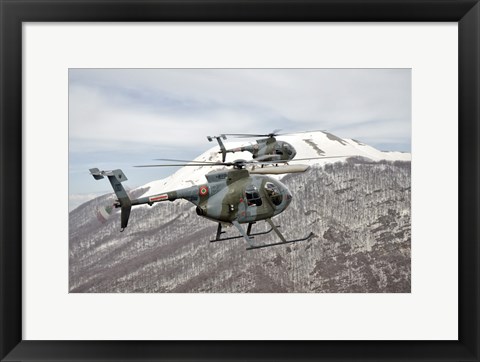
(203, 190)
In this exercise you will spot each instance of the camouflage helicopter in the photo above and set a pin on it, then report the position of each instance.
(234, 196)
(265, 149)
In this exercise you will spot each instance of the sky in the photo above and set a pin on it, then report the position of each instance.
(119, 118)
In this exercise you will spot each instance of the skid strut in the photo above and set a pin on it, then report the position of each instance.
(249, 233)
(279, 234)
(248, 236)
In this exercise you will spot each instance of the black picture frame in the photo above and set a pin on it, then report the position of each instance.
(14, 12)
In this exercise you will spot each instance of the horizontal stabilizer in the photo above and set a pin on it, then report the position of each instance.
(98, 175)
(95, 172)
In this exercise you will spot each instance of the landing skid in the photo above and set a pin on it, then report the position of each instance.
(280, 243)
(248, 236)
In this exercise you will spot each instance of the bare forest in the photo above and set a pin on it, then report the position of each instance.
(359, 212)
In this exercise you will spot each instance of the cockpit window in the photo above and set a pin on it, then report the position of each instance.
(253, 196)
(273, 193)
(288, 149)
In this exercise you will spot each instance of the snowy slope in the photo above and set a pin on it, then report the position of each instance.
(359, 215)
(307, 145)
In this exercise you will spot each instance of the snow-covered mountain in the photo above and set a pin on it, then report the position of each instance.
(307, 144)
(358, 212)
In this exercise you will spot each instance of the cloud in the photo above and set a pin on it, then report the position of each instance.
(121, 117)
(160, 105)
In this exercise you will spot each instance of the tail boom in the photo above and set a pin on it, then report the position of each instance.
(150, 200)
(193, 194)
(223, 150)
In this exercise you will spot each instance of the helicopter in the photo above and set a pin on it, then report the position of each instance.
(265, 149)
(233, 196)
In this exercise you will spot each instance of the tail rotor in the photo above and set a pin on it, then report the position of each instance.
(103, 213)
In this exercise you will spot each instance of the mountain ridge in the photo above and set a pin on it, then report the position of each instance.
(308, 144)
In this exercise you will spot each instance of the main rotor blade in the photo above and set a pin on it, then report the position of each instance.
(246, 135)
(188, 161)
(317, 158)
(278, 170)
(274, 133)
(234, 163)
(254, 162)
(185, 164)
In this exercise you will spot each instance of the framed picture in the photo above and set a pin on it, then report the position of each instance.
(322, 168)
(377, 253)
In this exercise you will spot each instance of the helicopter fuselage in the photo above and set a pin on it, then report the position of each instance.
(243, 197)
(268, 149)
(232, 195)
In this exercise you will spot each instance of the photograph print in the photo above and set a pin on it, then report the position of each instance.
(239, 180)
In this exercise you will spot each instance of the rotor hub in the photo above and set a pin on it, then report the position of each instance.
(239, 164)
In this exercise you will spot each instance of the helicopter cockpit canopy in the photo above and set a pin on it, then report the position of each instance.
(273, 193)
(285, 149)
(253, 196)
(288, 149)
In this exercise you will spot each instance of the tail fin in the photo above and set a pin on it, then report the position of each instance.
(223, 150)
(116, 177)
